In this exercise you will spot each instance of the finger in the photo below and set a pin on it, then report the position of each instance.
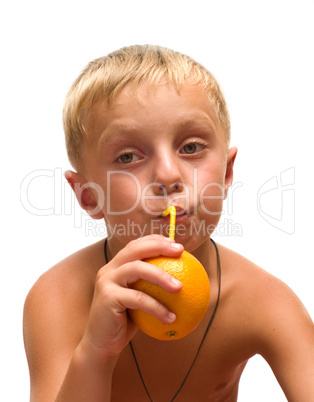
(150, 246)
(134, 299)
(131, 272)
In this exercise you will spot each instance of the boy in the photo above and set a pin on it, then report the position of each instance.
(146, 128)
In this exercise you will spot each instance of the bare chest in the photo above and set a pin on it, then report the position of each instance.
(170, 372)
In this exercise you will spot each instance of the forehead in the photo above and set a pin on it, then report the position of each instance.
(154, 106)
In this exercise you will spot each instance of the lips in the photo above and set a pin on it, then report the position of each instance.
(179, 211)
(181, 214)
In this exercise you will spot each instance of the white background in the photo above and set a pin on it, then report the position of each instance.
(262, 54)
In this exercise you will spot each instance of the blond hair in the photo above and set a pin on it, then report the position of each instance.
(105, 77)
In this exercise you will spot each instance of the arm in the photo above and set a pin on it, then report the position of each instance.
(72, 347)
(287, 343)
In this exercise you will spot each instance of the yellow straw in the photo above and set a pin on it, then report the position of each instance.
(172, 211)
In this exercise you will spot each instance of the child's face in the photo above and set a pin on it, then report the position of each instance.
(153, 149)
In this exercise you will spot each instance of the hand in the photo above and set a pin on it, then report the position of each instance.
(109, 327)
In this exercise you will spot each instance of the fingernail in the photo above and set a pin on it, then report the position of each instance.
(177, 246)
(171, 316)
(175, 281)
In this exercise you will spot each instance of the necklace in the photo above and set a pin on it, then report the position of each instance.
(202, 341)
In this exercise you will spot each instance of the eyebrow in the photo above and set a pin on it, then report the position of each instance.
(203, 121)
(200, 121)
(111, 134)
(114, 132)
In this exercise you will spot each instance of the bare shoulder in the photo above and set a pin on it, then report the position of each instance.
(258, 289)
(271, 318)
(76, 272)
(55, 314)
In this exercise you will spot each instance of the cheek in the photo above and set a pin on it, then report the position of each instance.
(211, 192)
(211, 199)
(122, 193)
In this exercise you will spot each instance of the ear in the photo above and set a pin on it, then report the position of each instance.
(232, 153)
(85, 194)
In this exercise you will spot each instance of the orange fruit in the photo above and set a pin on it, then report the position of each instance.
(189, 304)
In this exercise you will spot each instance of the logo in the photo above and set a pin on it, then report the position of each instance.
(276, 201)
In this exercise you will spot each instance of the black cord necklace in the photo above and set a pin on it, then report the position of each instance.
(204, 336)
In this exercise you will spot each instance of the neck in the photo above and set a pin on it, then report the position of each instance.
(206, 254)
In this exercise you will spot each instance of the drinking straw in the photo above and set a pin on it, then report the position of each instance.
(172, 211)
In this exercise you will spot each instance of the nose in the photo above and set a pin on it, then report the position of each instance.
(170, 188)
(167, 174)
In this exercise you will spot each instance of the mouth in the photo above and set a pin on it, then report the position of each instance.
(181, 215)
